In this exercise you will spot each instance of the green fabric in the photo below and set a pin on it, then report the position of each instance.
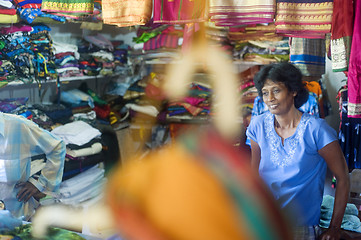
(145, 37)
(24, 232)
(3, 84)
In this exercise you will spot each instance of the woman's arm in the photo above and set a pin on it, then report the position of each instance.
(256, 155)
(336, 162)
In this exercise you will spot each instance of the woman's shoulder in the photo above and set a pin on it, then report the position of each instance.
(317, 124)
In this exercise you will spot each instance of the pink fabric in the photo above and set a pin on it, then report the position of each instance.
(179, 11)
(194, 100)
(354, 73)
(15, 28)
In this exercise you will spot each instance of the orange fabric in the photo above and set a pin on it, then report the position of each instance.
(314, 87)
(170, 186)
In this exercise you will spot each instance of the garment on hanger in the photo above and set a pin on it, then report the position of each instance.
(304, 18)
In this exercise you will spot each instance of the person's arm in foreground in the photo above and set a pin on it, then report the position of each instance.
(51, 175)
(336, 162)
(256, 155)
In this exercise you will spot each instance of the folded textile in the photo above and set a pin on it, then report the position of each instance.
(78, 132)
(94, 149)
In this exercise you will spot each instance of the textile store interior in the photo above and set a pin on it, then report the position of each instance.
(94, 76)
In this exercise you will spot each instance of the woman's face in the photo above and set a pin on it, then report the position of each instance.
(277, 97)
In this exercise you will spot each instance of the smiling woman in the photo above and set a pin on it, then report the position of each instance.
(291, 151)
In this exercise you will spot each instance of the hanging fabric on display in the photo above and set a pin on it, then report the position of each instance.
(126, 13)
(241, 12)
(341, 34)
(179, 11)
(350, 133)
(304, 18)
(308, 55)
(354, 72)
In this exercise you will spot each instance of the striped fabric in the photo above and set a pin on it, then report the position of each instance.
(28, 3)
(241, 12)
(179, 11)
(162, 41)
(304, 18)
(308, 55)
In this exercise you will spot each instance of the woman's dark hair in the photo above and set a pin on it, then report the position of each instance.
(285, 73)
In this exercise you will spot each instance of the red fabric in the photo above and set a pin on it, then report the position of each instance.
(342, 19)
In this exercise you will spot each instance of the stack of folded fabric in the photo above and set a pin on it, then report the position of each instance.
(84, 147)
(8, 12)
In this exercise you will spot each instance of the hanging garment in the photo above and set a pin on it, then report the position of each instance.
(304, 18)
(354, 72)
(350, 133)
(241, 12)
(126, 13)
(308, 55)
(179, 11)
(341, 34)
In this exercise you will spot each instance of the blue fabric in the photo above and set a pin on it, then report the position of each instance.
(20, 139)
(294, 172)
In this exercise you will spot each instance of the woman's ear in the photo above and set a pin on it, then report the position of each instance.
(294, 94)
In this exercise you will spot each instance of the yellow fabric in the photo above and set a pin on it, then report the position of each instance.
(5, 18)
(178, 196)
(125, 13)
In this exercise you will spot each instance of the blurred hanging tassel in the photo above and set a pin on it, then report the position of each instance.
(226, 101)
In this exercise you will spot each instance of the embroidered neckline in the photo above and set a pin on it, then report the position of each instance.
(275, 140)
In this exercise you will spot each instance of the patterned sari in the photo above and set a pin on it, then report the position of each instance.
(304, 18)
